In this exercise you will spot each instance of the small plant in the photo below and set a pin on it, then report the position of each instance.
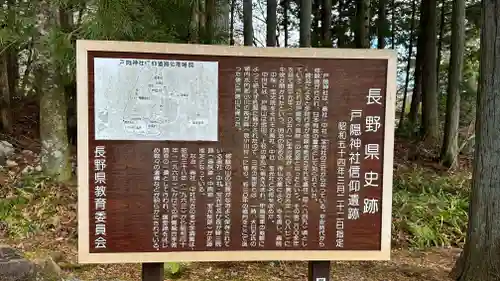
(173, 269)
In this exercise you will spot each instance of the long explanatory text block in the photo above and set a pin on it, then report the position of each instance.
(217, 153)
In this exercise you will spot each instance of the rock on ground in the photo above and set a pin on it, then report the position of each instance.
(6, 150)
(13, 267)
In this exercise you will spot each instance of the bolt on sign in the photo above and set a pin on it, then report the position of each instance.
(218, 153)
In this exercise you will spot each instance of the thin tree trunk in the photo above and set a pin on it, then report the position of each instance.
(480, 259)
(341, 38)
(316, 33)
(278, 36)
(393, 24)
(381, 26)
(449, 150)
(305, 23)
(12, 52)
(231, 28)
(5, 106)
(271, 23)
(326, 23)
(429, 94)
(12, 70)
(286, 8)
(363, 24)
(440, 43)
(247, 23)
(416, 97)
(408, 67)
(28, 66)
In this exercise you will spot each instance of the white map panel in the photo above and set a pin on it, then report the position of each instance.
(137, 99)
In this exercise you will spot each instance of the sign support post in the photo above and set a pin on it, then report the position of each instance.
(152, 271)
(319, 271)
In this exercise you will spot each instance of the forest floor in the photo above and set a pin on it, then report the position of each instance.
(38, 217)
(432, 264)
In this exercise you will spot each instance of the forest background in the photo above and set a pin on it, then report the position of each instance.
(438, 44)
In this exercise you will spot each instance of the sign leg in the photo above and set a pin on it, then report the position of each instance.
(152, 272)
(319, 271)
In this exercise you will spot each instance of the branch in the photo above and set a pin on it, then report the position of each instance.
(472, 135)
(8, 46)
(28, 65)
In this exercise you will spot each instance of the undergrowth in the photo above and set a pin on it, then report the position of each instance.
(33, 204)
(428, 209)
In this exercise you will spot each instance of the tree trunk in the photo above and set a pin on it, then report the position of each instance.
(440, 43)
(12, 52)
(326, 22)
(12, 70)
(286, 8)
(194, 24)
(315, 34)
(28, 66)
(209, 21)
(341, 37)
(480, 259)
(5, 106)
(247, 23)
(363, 24)
(222, 12)
(430, 120)
(305, 23)
(381, 24)
(416, 97)
(9, 74)
(231, 28)
(55, 151)
(393, 24)
(408, 67)
(271, 23)
(449, 150)
(200, 4)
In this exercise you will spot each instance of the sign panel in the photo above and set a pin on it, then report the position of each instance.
(217, 153)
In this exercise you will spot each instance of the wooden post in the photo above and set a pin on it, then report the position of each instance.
(153, 272)
(319, 271)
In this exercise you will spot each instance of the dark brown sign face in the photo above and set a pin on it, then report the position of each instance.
(191, 153)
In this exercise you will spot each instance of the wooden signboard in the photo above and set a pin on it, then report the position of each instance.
(218, 153)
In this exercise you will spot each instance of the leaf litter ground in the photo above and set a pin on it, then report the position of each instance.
(430, 265)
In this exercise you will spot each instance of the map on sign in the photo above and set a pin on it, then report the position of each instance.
(139, 99)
